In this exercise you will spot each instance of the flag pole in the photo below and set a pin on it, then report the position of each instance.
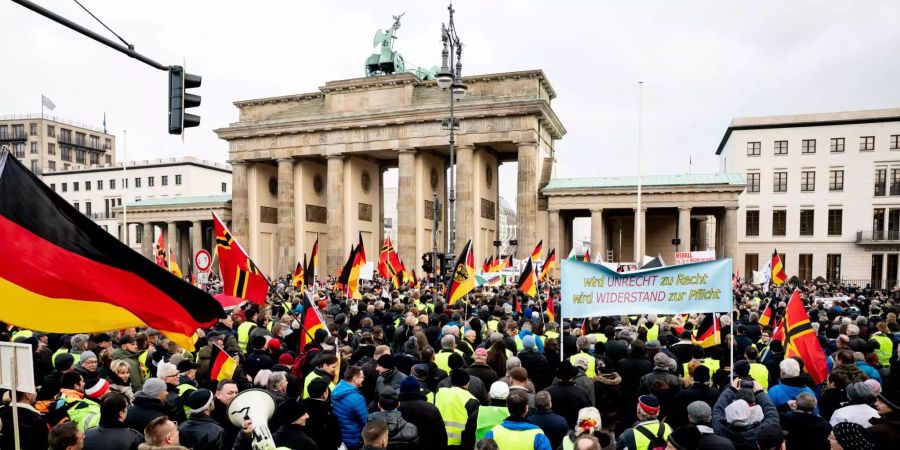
(731, 343)
(638, 256)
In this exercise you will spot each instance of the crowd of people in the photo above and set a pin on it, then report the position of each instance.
(402, 369)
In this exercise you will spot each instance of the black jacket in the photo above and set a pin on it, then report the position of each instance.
(143, 411)
(201, 432)
(538, 368)
(112, 435)
(553, 425)
(32, 426)
(256, 361)
(805, 431)
(426, 417)
(704, 393)
(220, 415)
(567, 400)
(322, 425)
(402, 435)
(294, 436)
(175, 404)
(484, 372)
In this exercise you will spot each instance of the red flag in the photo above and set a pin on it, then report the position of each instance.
(551, 312)
(240, 276)
(800, 339)
(587, 255)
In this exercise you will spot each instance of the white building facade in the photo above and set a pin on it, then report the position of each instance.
(98, 191)
(822, 189)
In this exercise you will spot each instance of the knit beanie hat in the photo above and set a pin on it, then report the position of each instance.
(96, 388)
(684, 438)
(852, 436)
(649, 404)
(738, 413)
(409, 385)
(86, 355)
(499, 390)
(317, 388)
(459, 377)
(199, 400)
(153, 387)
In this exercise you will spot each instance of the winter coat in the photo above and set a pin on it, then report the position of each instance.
(112, 436)
(606, 392)
(870, 371)
(884, 430)
(567, 400)
(632, 370)
(401, 434)
(852, 372)
(476, 388)
(202, 432)
(709, 441)
(553, 425)
(116, 385)
(698, 391)
(859, 413)
(220, 415)
(743, 437)
(256, 361)
(32, 427)
(137, 378)
(831, 400)
(294, 436)
(672, 380)
(391, 378)
(427, 419)
(143, 411)
(350, 408)
(805, 431)
(483, 372)
(175, 404)
(538, 368)
(322, 425)
(789, 389)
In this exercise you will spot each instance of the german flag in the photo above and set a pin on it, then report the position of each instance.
(463, 275)
(528, 280)
(362, 250)
(518, 305)
(240, 276)
(490, 264)
(312, 321)
(551, 311)
(708, 332)
(766, 317)
(310, 275)
(800, 339)
(549, 264)
(538, 250)
(415, 280)
(173, 266)
(587, 255)
(61, 273)
(778, 275)
(349, 277)
(221, 366)
(509, 262)
(298, 279)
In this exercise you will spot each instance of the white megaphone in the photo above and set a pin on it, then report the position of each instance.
(257, 405)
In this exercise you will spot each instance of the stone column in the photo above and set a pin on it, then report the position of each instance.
(639, 242)
(240, 208)
(597, 235)
(335, 200)
(407, 206)
(701, 233)
(147, 240)
(285, 260)
(196, 237)
(684, 228)
(171, 238)
(729, 243)
(720, 223)
(466, 203)
(554, 237)
(526, 200)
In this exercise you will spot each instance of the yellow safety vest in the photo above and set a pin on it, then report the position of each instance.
(488, 418)
(309, 378)
(884, 349)
(553, 335)
(514, 439)
(59, 351)
(591, 371)
(599, 337)
(243, 332)
(452, 404)
(760, 374)
(142, 360)
(442, 359)
(182, 389)
(712, 364)
(641, 442)
(652, 332)
(24, 334)
(492, 325)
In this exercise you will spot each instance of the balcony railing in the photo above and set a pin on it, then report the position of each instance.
(81, 143)
(102, 215)
(877, 236)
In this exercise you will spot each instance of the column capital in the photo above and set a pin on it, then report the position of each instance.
(282, 159)
(731, 208)
(643, 209)
(526, 141)
(407, 150)
(596, 210)
(237, 162)
(339, 156)
(684, 208)
(465, 146)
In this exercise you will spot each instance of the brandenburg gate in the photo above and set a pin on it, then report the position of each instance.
(311, 165)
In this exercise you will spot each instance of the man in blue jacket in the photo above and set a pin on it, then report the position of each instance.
(516, 431)
(789, 386)
(349, 407)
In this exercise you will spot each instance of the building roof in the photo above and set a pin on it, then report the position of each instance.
(647, 181)
(143, 164)
(172, 201)
(809, 120)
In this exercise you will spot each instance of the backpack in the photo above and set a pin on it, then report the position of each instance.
(657, 442)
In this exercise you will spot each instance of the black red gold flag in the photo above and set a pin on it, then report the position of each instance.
(528, 280)
(708, 332)
(463, 275)
(221, 365)
(310, 275)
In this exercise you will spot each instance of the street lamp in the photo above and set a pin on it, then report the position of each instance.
(450, 78)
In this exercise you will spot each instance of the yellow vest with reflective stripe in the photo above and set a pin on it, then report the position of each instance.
(59, 351)
(452, 404)
(884, 349)
(442, 359)
(24, 334)
(309, 378)
(488, 418)
(243, 335)
(551, 335)
(641, 442)
(599, 337)
(514, 439)
(712, 364)
(760, 374)
(142, 361)
(183, 389)
(591, 371)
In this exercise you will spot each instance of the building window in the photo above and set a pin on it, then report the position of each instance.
(107, 144)
(87, 185)
(878, 224)
(19, 131)
(804, 268)
(51, 165)
(151, 181)
(34, 166)
(107, 159)
(112, 183)
(807, 181)
(780, 182)
(177, 180)
(20, 150)
(99, 185)
(4, 132)
(138, 233)
(65, 153)
(895, 142)
(75, 186)
(34, 147)
(79, 156)
(752, 223)
(65, 187)
(877, 270)
(895, 182)
(33, 129)
(87, 208)
(866, 143)
(754, 148)
(224, 187)
(94, 158)
(65, 135)
(94, 141)
(51, 148)
(836, 180)
(137, 182)
(51, 131)
(808, 146)
(807, 222)
(880, 182)
(77, 206)
(835, 222)
(751, 262)
(164, 180)
(781, 147)
(833, 267)
(53, 187)
(753, 182)
(779, 222)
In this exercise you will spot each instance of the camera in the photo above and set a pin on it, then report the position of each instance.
(746, 384)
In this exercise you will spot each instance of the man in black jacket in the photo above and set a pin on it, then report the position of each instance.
(226, 391)
(417, 410)
(201, 432)
(293, 434)
(112, 433)
(32, 426)
(322, 425)
(401, 434)
(568, 399)
(805, 429)
(149, 403)
(699, 391)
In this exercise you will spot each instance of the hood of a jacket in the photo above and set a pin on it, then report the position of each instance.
(610, 379)
(343, 389)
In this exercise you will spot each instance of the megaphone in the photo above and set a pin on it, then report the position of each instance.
(257, 405)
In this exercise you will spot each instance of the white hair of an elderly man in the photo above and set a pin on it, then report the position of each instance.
(790, 368)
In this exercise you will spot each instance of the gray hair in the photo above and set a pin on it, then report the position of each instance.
(276, 380)
(806, 402)
(496, 336)
(542, 400)
(699, 412)
(512, 363)
(448, 342)
(789, 368)
(583, 343)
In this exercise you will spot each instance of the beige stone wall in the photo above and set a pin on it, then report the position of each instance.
(485, 229)
(305, 172)
(424, 192)
(662, 226)
(354, 195)
(262, 234)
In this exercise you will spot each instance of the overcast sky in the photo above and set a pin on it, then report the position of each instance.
(703, 63)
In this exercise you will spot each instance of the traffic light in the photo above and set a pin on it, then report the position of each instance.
(179, 100)
(448, 265)
(427, 266)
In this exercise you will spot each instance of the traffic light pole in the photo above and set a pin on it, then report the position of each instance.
(129, 50)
